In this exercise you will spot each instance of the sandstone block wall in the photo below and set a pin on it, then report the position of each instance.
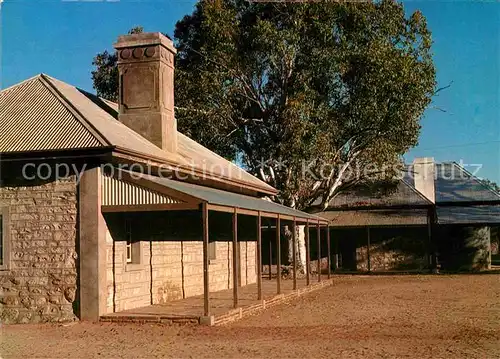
(464, 248)
(495, 240)
(40, 285)
(171, 265)
(459, 248)
(398, 253)
(248, 264)
(391, 249)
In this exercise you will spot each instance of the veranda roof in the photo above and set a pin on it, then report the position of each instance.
(183, 195)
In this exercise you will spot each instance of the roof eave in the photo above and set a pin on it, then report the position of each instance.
(119, 152)
(23, 156)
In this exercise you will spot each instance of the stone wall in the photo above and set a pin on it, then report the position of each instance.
(459, 248)
(313, 245)
(391, 249)
(40, 283)
(495, 240)
(464, 248)
(396, 253)
(171, 265)
(248, 262)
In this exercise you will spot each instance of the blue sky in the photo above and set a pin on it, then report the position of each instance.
(60, 38)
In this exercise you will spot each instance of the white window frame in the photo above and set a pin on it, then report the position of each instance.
(131, 248)
(128, 238)
(133, 251)
(212, 250)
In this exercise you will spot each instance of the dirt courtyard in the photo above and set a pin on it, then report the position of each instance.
(359, 317)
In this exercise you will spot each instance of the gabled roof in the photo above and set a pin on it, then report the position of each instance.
(461, 198)
(33, 119)
(46, 114)
(402, 195)
(453, 183)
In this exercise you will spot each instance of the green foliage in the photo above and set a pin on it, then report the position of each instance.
(105, 77)
(493, 185)
(337, 85)
(136, 30)
(312, 97)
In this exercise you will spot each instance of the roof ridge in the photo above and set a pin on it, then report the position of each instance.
(36, 119)
(477, 179)
(413, 188)
(182, 134)
(93, 119)
(37, 76)
(417, 192)
(212, 152)
(47, 80)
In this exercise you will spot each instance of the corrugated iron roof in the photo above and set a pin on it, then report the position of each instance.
(468, 215)
(190, 153)
(44, 113)
(379, 217)
(116, 133)
(33, 119)
(228, 199)
(402, 194)
(116, 192)
(453, 183)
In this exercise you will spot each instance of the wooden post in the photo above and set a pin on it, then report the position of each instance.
(294, 253)
(368, 248)
(318, 235)
(308, 253)
(206, 283)
(270, 258)
(432, 254)
(329, 248)
(278, 255)
(235, 258)
(336, 255)
(259, 257)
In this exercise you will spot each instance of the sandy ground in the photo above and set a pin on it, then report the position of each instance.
(359, 317)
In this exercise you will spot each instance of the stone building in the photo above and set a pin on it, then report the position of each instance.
(106, 207)
(438, 215)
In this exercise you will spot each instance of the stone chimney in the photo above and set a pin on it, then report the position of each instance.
(146, 87)
(424, 175)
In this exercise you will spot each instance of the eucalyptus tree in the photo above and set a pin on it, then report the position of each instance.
(312, 97)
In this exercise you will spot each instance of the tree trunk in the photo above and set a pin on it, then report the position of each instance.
(300, 249)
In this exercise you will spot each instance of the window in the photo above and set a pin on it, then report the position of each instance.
(4, 238)
(128, 236)
(133, 247)
(212, 251)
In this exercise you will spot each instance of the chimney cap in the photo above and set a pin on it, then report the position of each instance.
(144, 39)
(422, 160)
